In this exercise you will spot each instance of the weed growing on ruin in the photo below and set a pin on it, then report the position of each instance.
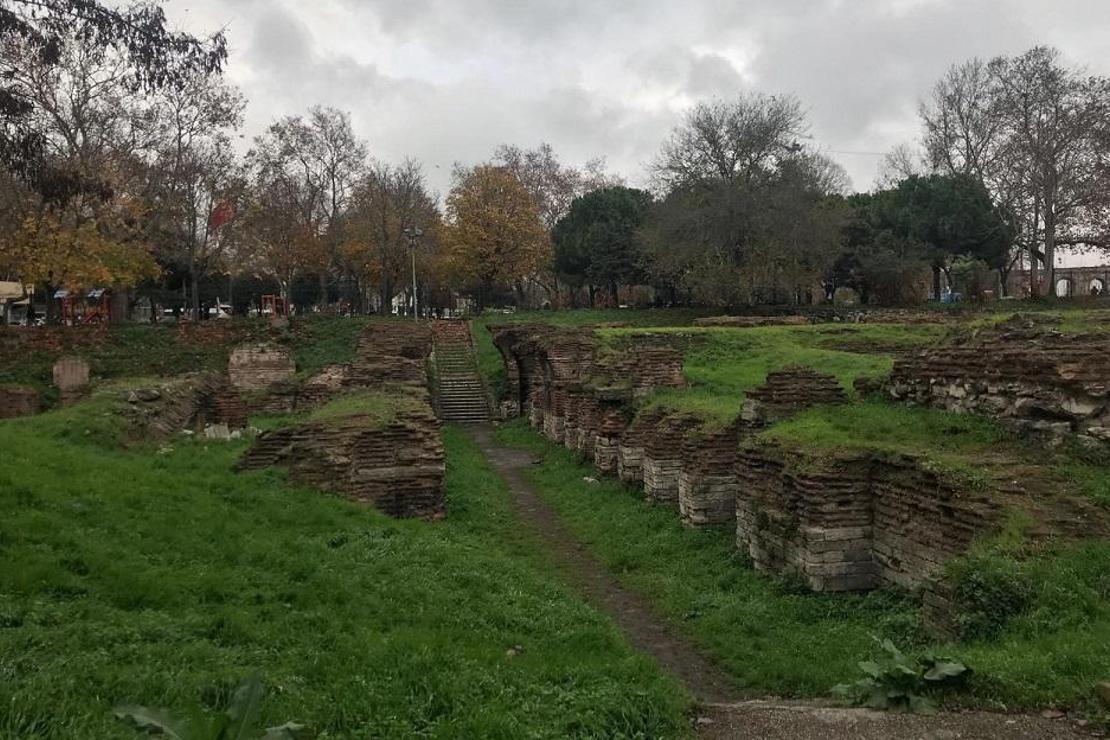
(898, 683)
(722, 364)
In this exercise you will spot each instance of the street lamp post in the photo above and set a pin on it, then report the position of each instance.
(413, 233)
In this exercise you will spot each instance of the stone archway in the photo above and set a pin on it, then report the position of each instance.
(1096, 287)
(1065, 288)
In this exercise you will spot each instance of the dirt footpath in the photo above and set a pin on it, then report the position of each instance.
(772, 720)
(721, 714)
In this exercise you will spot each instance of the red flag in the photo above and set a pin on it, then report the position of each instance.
(220, 215)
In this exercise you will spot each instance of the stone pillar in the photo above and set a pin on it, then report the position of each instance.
(256, 367)
(71, 378)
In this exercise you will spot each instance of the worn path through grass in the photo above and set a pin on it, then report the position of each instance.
(631, 612)
(726, 710)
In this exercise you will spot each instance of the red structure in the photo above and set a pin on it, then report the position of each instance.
(274, 305)
(95, 307)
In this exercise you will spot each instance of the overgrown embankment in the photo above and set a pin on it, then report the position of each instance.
(159, 576)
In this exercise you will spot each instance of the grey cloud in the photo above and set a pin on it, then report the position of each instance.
(444, 80)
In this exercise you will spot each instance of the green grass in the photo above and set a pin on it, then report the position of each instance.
(120, 351)
(1091, 478)
(153, 350)
(381, 405)
(777, 639)
(723, 364)
(325, 340)
(163, 578)
(881, 426)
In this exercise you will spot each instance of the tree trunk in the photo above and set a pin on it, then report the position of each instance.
(194, 288)
(591, 290)
(936, 282)
(1050, 247)
(323, 288)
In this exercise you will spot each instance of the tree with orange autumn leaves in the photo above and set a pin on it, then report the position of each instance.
(494, 235)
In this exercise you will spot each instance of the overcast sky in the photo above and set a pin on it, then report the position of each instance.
(449, 80)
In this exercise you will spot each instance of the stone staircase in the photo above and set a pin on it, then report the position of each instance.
(462, 397)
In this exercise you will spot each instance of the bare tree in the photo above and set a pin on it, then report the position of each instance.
(552, 184)
(325, 158)
(899, 163)
(194, 174)
(1037, 134)
(746, 215)
(739, 140)
(387, 201)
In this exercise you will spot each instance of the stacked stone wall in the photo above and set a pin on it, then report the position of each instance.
(663, 461)
(850, 522)
(397, 468)
(707, 485)
(1032, 378)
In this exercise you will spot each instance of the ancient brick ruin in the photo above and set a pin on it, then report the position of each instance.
(853, 521)
(1024, 374)
(843, 522)
(18, 400)
(788, 391)
(191, 402)
(397, 466)
(71, 378)
(262, 374)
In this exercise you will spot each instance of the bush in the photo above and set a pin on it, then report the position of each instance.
(990, 591)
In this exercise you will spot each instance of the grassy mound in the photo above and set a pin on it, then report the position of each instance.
(723, 364)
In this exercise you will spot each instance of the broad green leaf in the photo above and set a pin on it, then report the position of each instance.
(244, 709)
(921, 705)
(153, 718)
(871, 668)
(288, 731)
(944, 671)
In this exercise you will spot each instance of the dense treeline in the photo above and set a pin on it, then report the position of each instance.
(121, 170)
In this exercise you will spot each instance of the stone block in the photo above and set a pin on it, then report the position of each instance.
(257, 367)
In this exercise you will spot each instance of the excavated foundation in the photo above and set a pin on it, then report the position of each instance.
(707, 485)
(398, 467)
(853, 521)
(1023, 373)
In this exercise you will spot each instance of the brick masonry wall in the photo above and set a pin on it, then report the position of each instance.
(18, 400)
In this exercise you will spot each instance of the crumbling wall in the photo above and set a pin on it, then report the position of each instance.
(612, 421)
(663, 460)
(71, 378)
(188, 403)
(788, 391)
(1026, 375)
(707, 484)
(398, 467)
(18, 400)
(258, 366)
(850, 521)
(392, 352)
(630, 451)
